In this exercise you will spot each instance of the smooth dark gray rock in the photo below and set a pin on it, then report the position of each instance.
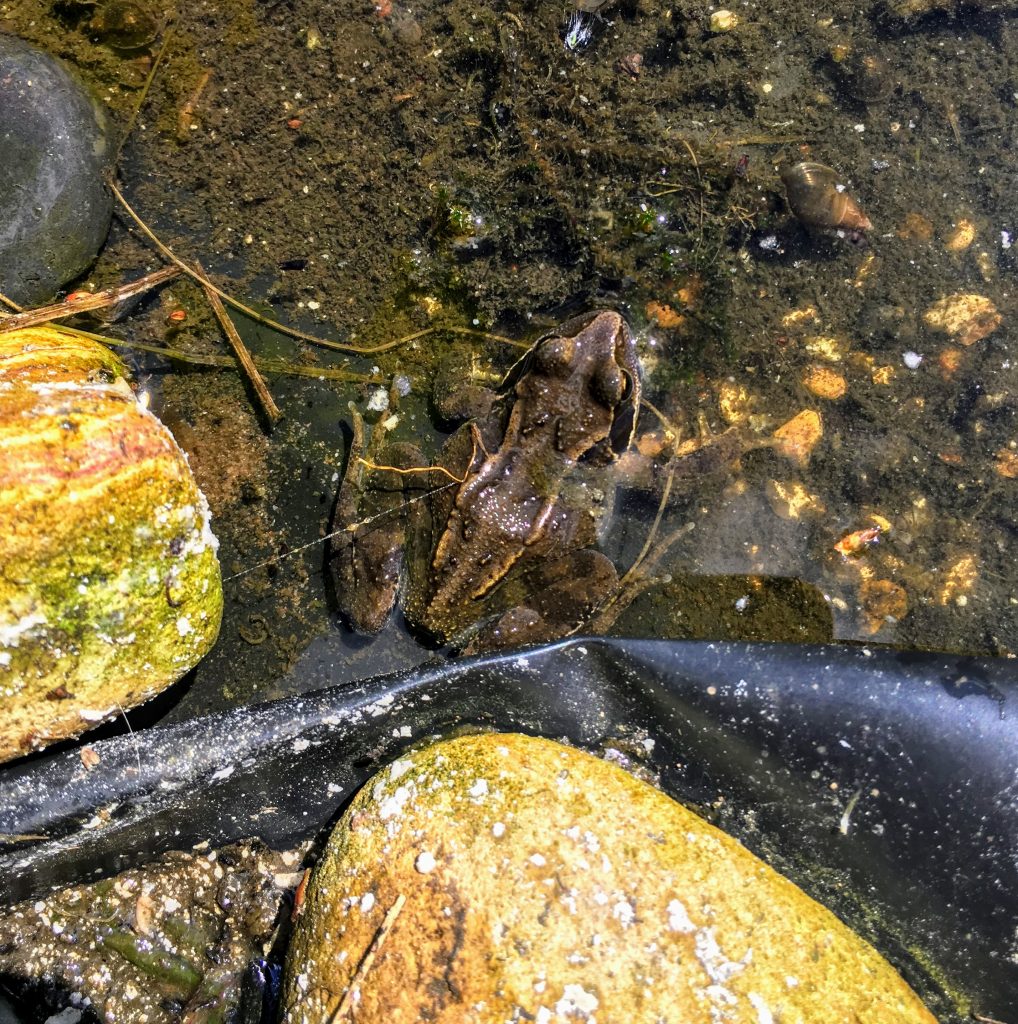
(54, 150)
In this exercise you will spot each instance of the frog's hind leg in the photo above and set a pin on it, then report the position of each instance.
(370, 527)
(562, 593)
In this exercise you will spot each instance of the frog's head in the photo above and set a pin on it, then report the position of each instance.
(584, 377)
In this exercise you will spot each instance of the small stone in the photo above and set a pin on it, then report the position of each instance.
(828, 348)
(425, 863)
(734, 402)
(791, 500)
(959, 578)
(949, 361)
(803, 315)
(663, 315)
(911, 359)
(1007, 463)
(797, 438)
(723, 21)
(915, 228)
(54, 208)
(968, 318)
(883, 602)
(824, 382)
(961, 236)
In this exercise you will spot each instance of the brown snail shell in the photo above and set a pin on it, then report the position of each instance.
(817, 200)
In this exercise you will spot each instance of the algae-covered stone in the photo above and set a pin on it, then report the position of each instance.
(109, 582)
(535, 882)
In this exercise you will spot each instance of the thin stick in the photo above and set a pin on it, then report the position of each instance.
(269, 407)
(11, 304)
(227, 362)
(369, 958)
(375, 467)
(144, 94)
(293, 332)
(83, 302)
(134, 739)
(487, 335)
(653, 530)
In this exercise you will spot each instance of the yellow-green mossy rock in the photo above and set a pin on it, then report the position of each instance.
(109, 582)
(542, 884)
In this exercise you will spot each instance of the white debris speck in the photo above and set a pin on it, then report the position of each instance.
(223, 773)
(1005, 240)
(543, 1015)
(94, 714)
(10, 635)
(184, 625)
(393, 805)
(769, 243)
(170, 905)
(678, 918)
(498, 830)
(425, 863)
(367, 902)
(791, 981)
(402, 385)
(763, 1011)
(300, 745)
(623, 911)
(713, 960)
(398, 769)
(742, 604)
(479, 789)
(537, 860)
(379, 401)
(576, 999)
(911, 359)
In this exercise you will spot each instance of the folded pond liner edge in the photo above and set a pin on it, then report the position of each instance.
(884, 783)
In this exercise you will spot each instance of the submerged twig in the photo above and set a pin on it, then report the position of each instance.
(144, 94)
(264, 365)
(185, 116)
(82, 302)
(269, 407)
(11, 304)
(292, 332)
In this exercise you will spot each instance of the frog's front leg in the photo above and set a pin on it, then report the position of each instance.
(369, 527)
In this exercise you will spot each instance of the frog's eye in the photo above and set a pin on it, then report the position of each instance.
(608, 385)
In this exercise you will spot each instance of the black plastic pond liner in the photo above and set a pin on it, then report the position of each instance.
(885, 784)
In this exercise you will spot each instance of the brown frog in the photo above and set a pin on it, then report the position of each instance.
(489, 550)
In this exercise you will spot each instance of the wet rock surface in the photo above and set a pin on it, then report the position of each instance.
(54, 209)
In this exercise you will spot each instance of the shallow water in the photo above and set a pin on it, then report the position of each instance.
(365, 171)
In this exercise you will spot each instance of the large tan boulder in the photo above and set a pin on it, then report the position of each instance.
(500, 878)
(109, 581)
